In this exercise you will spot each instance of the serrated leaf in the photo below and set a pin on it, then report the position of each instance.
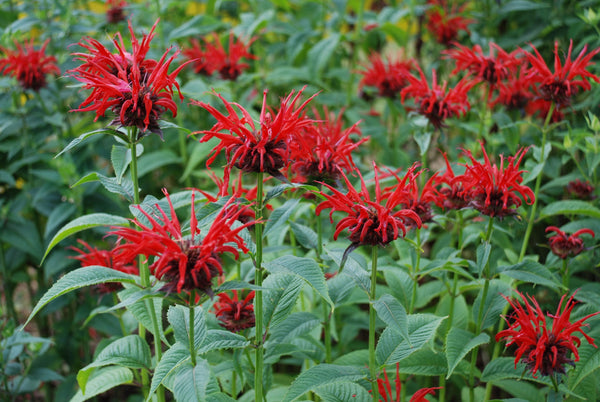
(320, 54)
(174, 358)
(306, 268)
(530, 271)
(280, 216)
(84, 136)
(82, 277)
(191, 382)
(353, 269)
(294, 325)
(199, 153)
(392, 348)
(483, 256)
(82, 223)
(589, 361)
(393, 314)
(494, 303)
(307, 237)
(179, 318)
(130, 351)
(280, 298)
(460, 342)
(570, 207)
(217, 339)
(88, 178)
(155, 160)
(276, 191)
(343, 391)
(120, 157)
(424, 362)
(60, 214)
(122, 187)
(103, 380)
(320, 375)
(142, 311)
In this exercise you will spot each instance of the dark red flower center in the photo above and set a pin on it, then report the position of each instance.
(554, 357)
(196, 276)
(268, 158)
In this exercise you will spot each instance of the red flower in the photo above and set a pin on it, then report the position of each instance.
(27, 65)
(235, 315)
(581, 190)
(562, 84)
(330, 149)
(184, 263)
(563, 245)
(115, 12)
(438, 103)
(389, 76)
(451, 189)
(541, 107)
(370, 222)
(494, 190)
(137, 89)
(542, 350)
(265, 149)
(492, 68)
(445, 23)
(385, 389)
(106, 258)
(214, 57)
(515, 91)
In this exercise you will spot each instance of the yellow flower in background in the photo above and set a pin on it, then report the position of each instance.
(20, 183)
(195, 8)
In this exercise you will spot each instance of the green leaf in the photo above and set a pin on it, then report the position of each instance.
(483, 256)
(60, 214)
(122, 187)
(88, 178)
(142, 312)
(179, 318)
(294, 325)
(306, 268)
(320, 54)
(460, 342)
(352, 268)
(521, 5)
(281, 297)
(322, 375)
(494, 303)
(425, 362)
(589, 361)
(393, 314)
(532, 272)
(191, 382)
(400, 283)
(103, 380)
(174, 358)
(199, 153)
(392, 348)
(217, 339)
(570, 207)
(120, 157)
(423, 139)
(306, 236)
(85, 136)
(343, 391)
(155, 160)
(82, 277)
(130, 351)
(280, 216)
(82, 223)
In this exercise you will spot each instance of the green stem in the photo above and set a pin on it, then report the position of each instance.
(538, 182)
(258, 299)
(327, 315)
(414, 274)
(191, 323)
(565, 276)
(354, 56)
(372, 320)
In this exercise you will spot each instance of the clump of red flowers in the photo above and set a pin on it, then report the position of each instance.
(388, 76)
(137, 89)
(234, 314)
(438, 103)
(184, 263)
(563, 245)
(213, 56)
(444, 22)
(560, 85)
(265, 148)
(495, 190)
(330, 147)
(582, 190)
(115, 12)
(106, 258)
(387, 394)
(373, 222)
(451, 189)
(28, 65)
(544, 350)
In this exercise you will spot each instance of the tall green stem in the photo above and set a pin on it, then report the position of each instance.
(258, 299)
(565, 276)
(372, 320)
(326, 312)
(538, 182)
(415, 273)
(191, 340)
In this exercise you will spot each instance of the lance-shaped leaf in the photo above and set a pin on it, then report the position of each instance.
(460, 342)
(393, 314)
(320, 375)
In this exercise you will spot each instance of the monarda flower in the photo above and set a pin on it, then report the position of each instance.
(582, 190)
(563, 245)
(330, 150)
(492, 68)
(234, 314)
(445, 23)
(106, 258)
(451, 190)
(386, 392)
(27, 65)
(495, 190)
(370, 222)
(389, 76)
(436, 102)
(515, 92)
(543, 350)
(257, 149)
(184, 263)
(136, 89)
(560, 85)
